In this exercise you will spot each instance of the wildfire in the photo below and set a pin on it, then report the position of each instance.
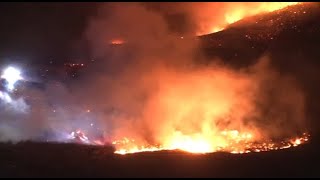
(232, 141)
(239, 11)
(209, 110)
(239, 145)
(205, 111)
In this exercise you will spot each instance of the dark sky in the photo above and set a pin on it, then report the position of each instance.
(36, 31)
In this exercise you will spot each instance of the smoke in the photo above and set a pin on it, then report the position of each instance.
(153, 89)
(160, 89)
(148, 32)
(12, 112)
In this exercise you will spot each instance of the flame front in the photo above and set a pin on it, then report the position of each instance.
(238, 144)
(238, 11)
(201, 146)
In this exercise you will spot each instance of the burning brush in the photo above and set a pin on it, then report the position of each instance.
(238, 145)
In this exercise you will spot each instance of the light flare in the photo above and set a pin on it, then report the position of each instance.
(11, 75)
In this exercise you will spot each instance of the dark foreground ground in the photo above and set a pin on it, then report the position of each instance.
(69, 160)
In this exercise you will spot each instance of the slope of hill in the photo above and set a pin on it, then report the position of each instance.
(252, 36)
(290, 37)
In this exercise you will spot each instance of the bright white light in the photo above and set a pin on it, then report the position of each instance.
(78, 134)
(12, 75)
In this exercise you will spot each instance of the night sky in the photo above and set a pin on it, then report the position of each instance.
(39, 32)
(35, 32)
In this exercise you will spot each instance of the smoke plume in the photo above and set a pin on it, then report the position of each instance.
(160, 89)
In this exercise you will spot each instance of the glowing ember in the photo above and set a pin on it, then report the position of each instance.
(117, 42)
(239, 11)
(127, 146)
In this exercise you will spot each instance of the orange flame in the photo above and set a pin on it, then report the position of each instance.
(240, 11)
(206, 110)
(200, 146)
(201, 112)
